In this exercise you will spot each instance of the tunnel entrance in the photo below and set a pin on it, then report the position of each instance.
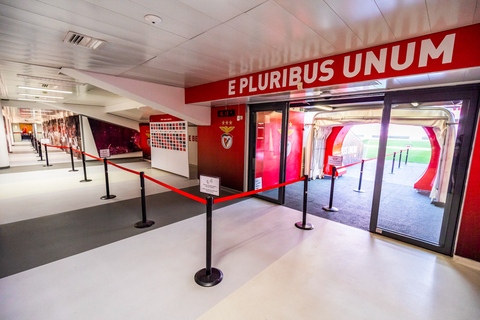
(406, 167)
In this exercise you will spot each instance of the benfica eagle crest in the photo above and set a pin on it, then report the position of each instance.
(227, 138)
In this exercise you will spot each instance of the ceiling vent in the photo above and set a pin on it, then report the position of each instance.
(82, 40)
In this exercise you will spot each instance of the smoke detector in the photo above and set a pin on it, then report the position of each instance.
(153, 19)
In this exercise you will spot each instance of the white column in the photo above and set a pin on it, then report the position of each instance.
(4, 161)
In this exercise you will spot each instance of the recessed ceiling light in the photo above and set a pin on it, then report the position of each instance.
(70, 82)
(153, 19)
(37, 96)
(415, 104)
(322, 107)
(38, 100)
(41, 89)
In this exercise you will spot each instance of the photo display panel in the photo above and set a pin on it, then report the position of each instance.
(169, 135)
(169, 145)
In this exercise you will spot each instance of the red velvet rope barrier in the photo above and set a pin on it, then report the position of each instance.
(188, 195)
(352, 164)
(116, 165)
(99, 159)
(47, 145)
(244, 194)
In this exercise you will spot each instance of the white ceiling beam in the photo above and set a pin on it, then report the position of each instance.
(97, 113)
(167, 99)
(127, 105)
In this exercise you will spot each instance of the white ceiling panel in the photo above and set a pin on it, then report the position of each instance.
(191, 63)
(364, 19)
(416, 80)
(227, 44)
(472, 74)
(180, 12)
(128, 11)
(205, 41)
(324, 21)
(223, 10)
(406, 18)
(447, 76)
(476, 17)
(447, 14)
(284, 32)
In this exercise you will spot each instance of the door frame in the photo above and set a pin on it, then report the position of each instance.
(252, 142)
(460, 165)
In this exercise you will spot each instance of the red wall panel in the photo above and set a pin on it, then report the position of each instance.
(468, 244)
(224, 160)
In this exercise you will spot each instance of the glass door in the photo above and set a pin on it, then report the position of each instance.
(267, 150)
(424, 149)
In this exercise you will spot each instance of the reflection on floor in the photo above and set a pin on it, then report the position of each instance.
(402, 208)
(272, 270)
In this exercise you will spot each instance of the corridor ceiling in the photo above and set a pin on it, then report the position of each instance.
(202, 41)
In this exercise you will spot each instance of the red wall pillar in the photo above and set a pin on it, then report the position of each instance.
(221, 146)
(468, 244)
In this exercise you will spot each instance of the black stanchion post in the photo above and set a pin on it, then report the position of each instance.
(209, 276)
(393, 161)
(303, 224)
(360, 179)
(144, 223)
(332, 186)
(406, 157)
(108, 195)
(35, 145)
(71, 159)
(46, 157)
(84, 170)
(400, 159)
(40, 152)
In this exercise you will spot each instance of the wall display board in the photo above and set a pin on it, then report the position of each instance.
(169, 143)
(63, 131)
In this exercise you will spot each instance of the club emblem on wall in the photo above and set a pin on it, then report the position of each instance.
(227, 138)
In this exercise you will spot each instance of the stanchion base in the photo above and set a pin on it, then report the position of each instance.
(108, 197)
(360, 191)
(86, 180)
(208, 280)
(72, 170)
(48, 165)
(332, 209)
(307, 226)
(145, 224)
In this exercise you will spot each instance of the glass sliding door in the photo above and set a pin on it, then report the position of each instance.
(267, 150)
(424, 157)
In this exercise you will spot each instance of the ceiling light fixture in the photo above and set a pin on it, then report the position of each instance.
(37, 96)
(415, 104)
(325, 108)
(25, 76)
(153, 19)
(38, 100)
(47, 90)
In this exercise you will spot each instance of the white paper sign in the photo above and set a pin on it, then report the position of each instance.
(335, 160)
(45, 141)
(258, 183)
(210, 185)
(104, 153)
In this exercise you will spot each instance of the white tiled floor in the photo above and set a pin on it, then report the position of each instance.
(272, 270)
